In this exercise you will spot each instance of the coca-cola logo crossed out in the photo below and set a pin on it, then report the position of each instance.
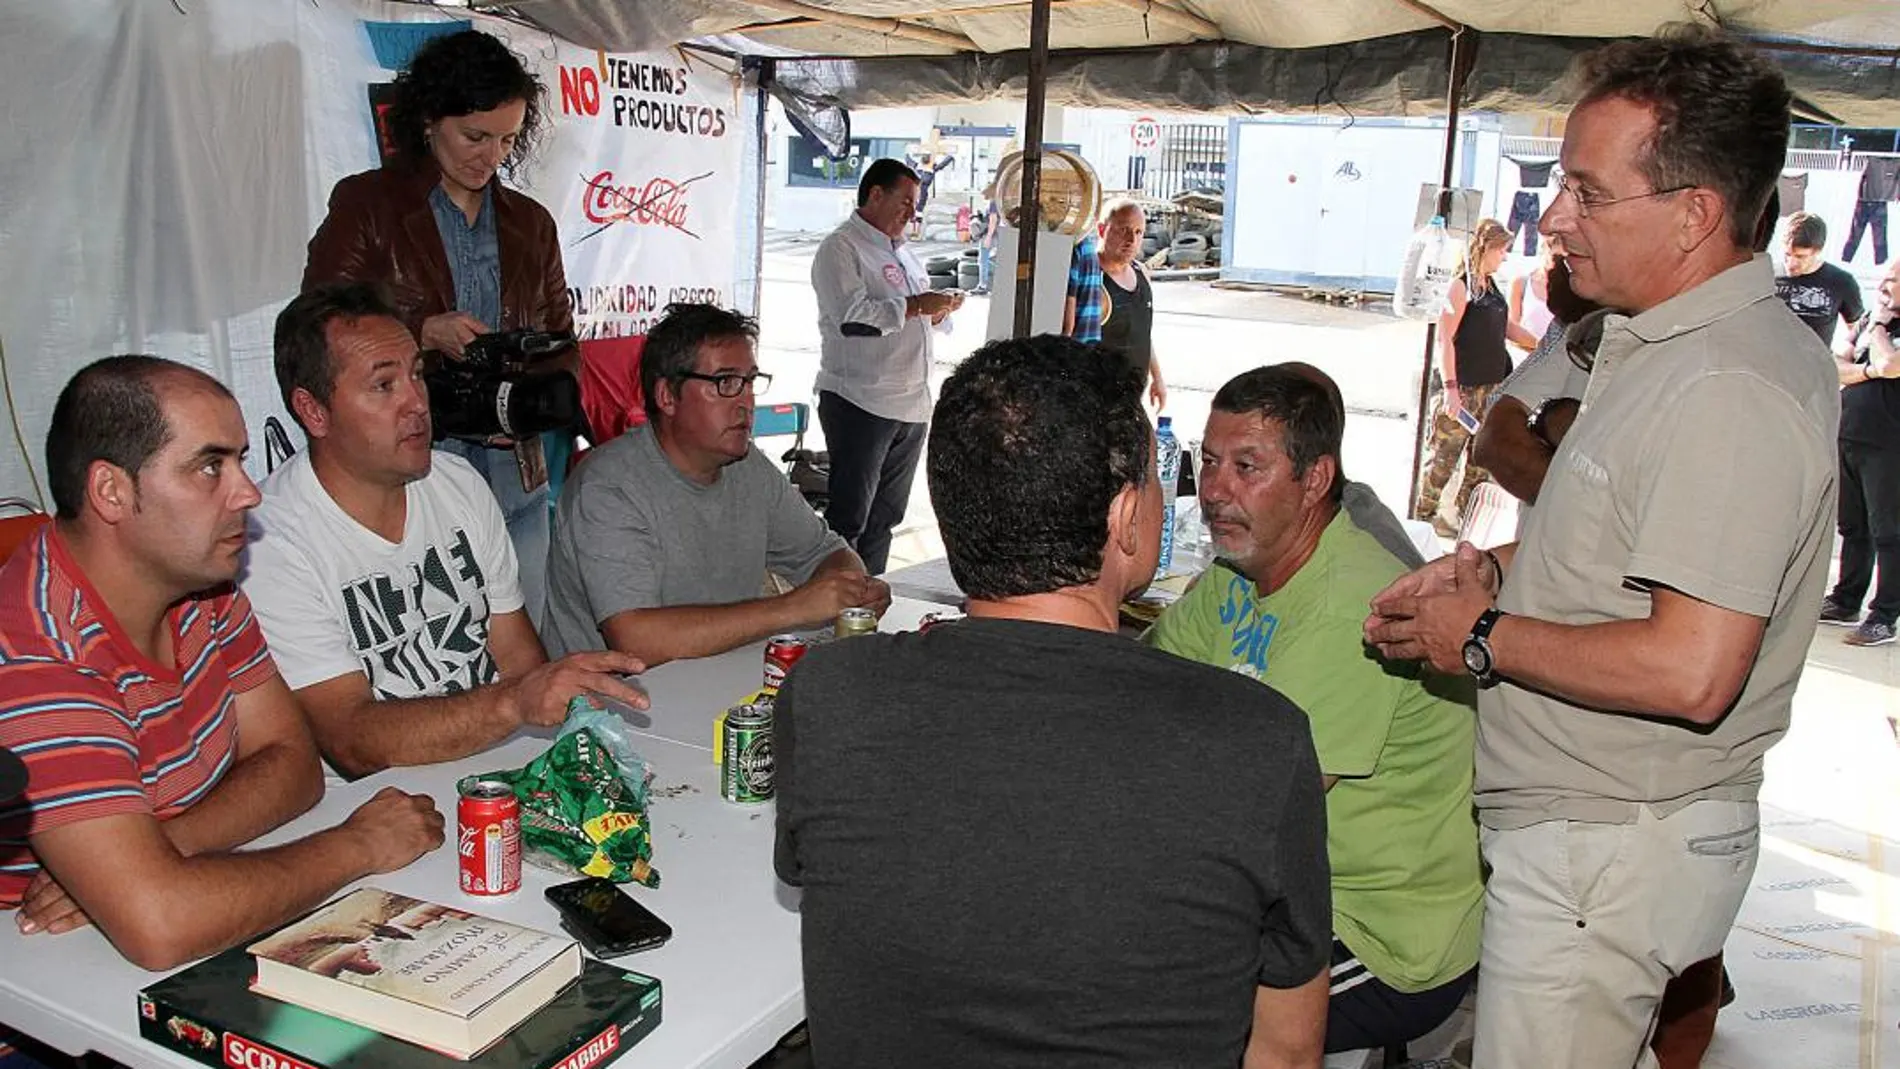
(660, 202)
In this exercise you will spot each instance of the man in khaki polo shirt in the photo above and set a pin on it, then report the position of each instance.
(1643, 653)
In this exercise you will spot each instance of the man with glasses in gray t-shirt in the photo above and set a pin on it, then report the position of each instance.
(665, 535)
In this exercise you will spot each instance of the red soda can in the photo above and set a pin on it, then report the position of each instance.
(488, 837)
(781, 653)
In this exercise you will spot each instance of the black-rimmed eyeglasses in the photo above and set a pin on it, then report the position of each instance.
(733, 385)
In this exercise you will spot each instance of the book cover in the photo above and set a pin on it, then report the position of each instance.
(208, 1013)
(437, 957)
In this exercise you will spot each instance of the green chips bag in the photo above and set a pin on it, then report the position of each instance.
(580, 812)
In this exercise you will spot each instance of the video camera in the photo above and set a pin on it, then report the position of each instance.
(494, 389)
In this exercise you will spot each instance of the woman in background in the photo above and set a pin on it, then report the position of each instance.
(462, 254)
(1530, 296)
(1472, 360)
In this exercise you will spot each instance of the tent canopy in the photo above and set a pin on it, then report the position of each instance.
(1378, 56)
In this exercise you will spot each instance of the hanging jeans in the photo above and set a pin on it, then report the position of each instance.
(1867, 214)
(1526, 208)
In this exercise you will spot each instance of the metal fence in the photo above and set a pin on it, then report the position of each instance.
(1815, 159)
(1189, 156)
(1798, 159)
(1533, 147)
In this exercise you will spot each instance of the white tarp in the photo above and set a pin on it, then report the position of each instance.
(165, 169)
(1002, 25)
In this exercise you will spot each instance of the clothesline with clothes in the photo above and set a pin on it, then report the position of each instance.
(1527, 204)
(1879, 186)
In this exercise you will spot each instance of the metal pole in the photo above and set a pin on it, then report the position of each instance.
(1460, 68)
(768, 73)
(1029, 214)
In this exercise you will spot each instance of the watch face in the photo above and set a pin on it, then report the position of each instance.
(1477, 659)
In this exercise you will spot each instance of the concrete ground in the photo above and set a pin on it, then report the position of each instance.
(1203, 335)
(1815, 955)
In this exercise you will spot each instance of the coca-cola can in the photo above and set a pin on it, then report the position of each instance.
(488, 837)
(781, 653)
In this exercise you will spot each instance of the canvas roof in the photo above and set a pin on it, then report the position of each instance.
(1370, 56)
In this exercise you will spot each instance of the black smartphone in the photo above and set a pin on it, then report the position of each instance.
(605, 919)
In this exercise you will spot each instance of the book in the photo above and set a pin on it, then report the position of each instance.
(208, 1013)
(442, 977)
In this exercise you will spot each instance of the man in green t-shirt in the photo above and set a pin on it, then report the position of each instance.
(1302, 552)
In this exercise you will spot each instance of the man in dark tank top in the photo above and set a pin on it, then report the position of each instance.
(1128, 328)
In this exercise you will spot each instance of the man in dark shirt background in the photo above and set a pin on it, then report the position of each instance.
(1817, 291)
(1870, 478)
(1128, 329)
(1024, 840)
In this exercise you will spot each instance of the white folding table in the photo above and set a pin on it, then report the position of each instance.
(732, 978)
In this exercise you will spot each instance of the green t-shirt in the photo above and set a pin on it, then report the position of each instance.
(1407, 894)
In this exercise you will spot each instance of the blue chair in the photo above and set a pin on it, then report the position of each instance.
(808, 470)
(775, 421)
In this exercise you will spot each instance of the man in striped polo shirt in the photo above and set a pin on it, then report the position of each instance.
(137, 688)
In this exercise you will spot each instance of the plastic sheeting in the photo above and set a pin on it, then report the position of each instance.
(156, 190)
(1389, 76)
(1404, 75)
(165, 169)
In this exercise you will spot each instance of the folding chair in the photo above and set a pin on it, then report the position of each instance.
(808, 470)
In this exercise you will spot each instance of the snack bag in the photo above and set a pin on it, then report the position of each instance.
(584, 801)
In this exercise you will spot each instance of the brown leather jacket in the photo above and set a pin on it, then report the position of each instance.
(381, 229)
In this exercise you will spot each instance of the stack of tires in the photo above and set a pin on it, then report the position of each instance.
(954, 270)
(943, 271)
(1188, 250)
(969, 269)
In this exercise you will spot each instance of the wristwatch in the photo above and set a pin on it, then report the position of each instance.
(1477, 649)
(1537, 420)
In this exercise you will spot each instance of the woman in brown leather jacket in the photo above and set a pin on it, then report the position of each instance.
(460, 253)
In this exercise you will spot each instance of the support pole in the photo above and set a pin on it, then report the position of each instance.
(767, 74)
(1461, 59)
(1029, 215)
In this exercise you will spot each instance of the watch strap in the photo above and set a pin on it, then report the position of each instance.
(1486, 621)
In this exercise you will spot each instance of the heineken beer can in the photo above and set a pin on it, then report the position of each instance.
(488, 837)
(854, 622)
(746, 774)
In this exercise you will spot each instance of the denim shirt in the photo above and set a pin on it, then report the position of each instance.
(474, 255)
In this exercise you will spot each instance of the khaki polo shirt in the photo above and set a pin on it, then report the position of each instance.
(1703, 460)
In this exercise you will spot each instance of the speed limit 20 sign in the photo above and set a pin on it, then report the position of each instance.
(1146, 132)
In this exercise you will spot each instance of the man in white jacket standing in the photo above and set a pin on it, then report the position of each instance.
(876, 312)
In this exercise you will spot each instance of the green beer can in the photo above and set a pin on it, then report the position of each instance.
(746, 774)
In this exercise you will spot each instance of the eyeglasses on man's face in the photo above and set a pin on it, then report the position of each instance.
(733, 385)
(1590, 201)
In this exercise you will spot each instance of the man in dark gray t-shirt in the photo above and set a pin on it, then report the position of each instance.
(1024, 840)
(664, 536)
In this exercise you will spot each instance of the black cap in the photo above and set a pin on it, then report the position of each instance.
(12, 775)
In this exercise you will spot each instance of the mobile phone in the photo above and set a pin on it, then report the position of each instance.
(1468, 421)
(605, 919)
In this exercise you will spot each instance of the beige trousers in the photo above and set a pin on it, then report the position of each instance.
(1586, 923)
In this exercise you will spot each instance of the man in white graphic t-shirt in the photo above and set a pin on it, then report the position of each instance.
(381, 570)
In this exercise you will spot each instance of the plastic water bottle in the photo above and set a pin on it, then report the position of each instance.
(1424, 283)
(1168, 461)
